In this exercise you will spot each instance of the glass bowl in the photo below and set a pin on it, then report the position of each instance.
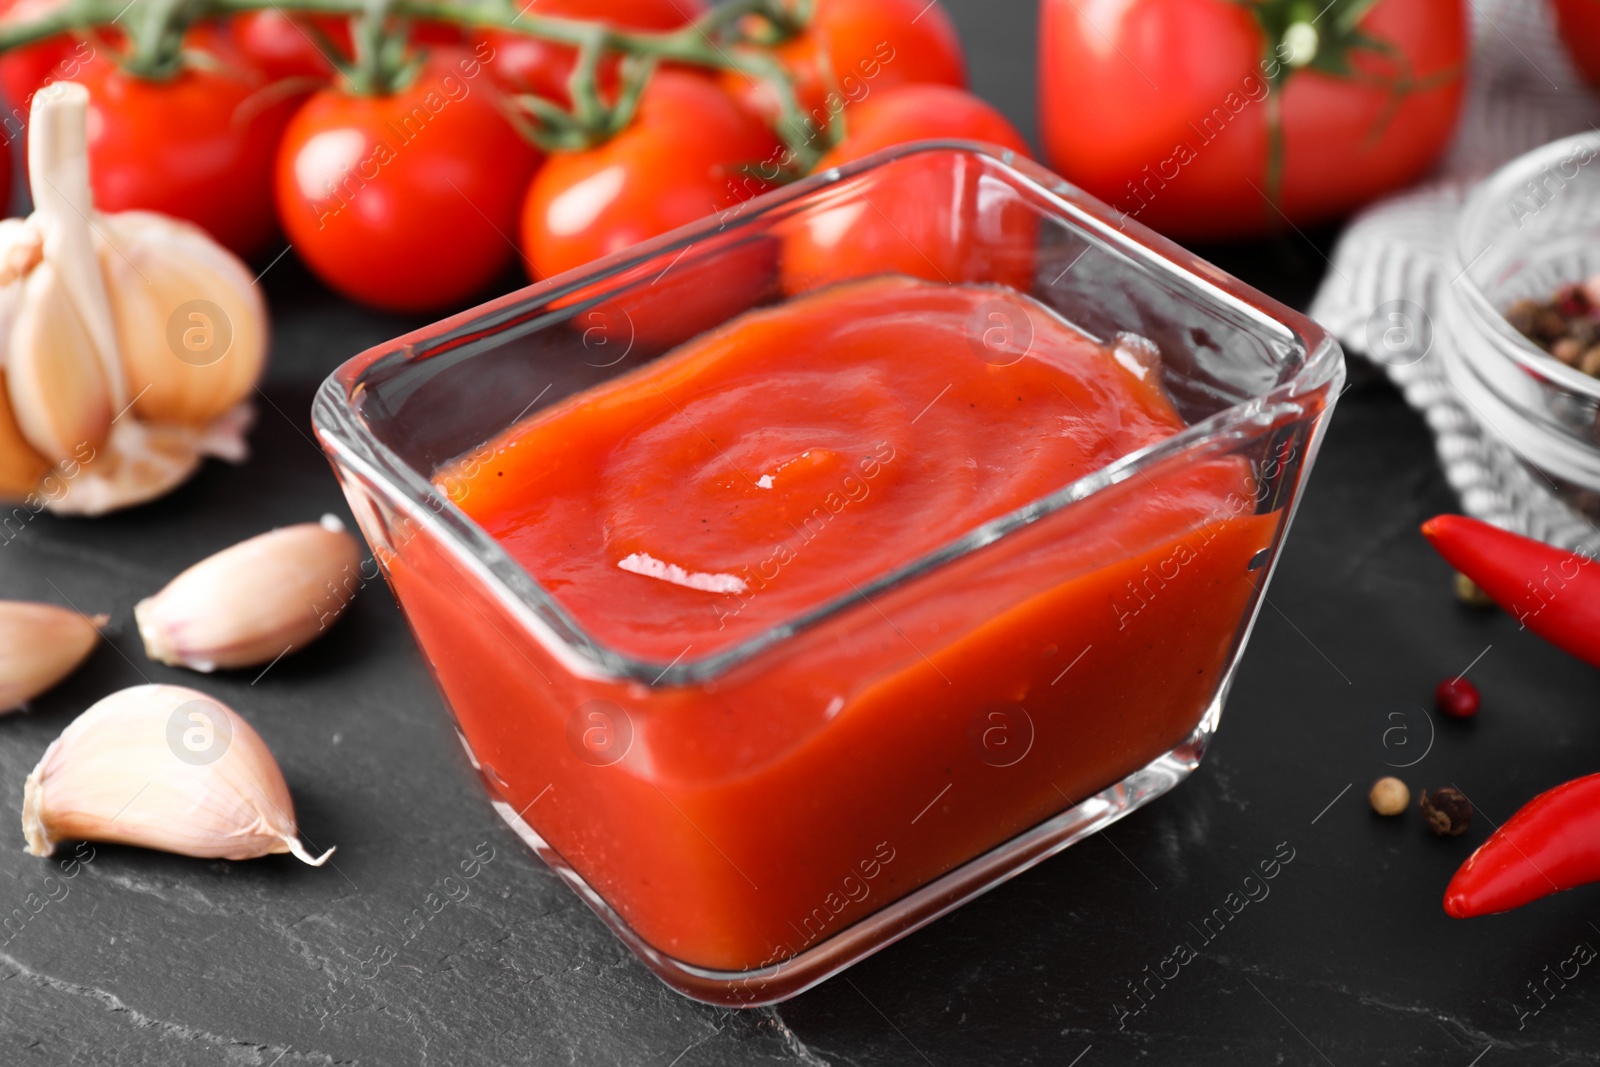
(1532, 227)
(752, 819)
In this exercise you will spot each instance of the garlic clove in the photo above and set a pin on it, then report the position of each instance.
(249, 604)
(58, 391)
(21, 468)
(191, 324)
(164, 767)
(40, 644)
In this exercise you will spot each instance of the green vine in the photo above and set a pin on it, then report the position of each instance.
(719, 40)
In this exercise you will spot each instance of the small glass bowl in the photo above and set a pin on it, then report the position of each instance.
(1531, 228)
(753, 820)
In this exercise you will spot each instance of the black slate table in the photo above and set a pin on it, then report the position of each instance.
(148, 958)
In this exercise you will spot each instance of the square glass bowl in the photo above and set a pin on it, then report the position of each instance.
(1532, 227)
(752, 820)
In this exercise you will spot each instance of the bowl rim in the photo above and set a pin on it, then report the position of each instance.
(351, 446)
(1496, 192)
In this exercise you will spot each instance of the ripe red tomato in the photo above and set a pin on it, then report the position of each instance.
(23, 71)
(678, 162)
(198, 146)
(1162, 111)
(921, 113)
(281, 46)
(436, 31)
(927, 216)
(1579, 22)
(406, 201)
(855, 47)
(526, 64)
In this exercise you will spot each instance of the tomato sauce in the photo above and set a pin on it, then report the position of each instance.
(782, 465)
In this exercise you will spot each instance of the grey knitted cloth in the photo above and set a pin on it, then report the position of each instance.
(1523, 93)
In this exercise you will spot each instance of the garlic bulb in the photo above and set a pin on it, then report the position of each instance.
(165, 767)
(129, 343)
(249, 604)
(40, 644)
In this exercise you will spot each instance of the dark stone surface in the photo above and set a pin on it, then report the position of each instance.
(157, 959)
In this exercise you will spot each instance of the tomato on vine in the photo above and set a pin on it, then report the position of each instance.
(406, 199)
(937, 222)
(690, 151)
(1209, 118)
(197, 143)
(281, 45)
(24, 71)
(684, 156)
(526, 64)
(851, 48)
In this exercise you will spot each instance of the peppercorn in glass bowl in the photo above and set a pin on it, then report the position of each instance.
(792, 582)
(1526, 241)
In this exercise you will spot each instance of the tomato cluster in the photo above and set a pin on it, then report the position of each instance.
(415, 198)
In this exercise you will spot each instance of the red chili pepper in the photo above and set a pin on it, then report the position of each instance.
(1552, 591)
(1552, 844)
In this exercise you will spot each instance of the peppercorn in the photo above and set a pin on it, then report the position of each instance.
(1468, 593)
(1567, 325)
(1549, 325)
(1457, 698)
(1572, 301)
(1389, 796)
(1447, 811)
(1523, 315)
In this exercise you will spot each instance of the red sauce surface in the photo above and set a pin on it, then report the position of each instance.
(793, 456)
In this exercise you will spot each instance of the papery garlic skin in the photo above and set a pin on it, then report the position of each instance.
(163, 767)
(249, 604)
(129, 342)
(40, 644)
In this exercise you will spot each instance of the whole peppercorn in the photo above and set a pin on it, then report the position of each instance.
(1457, 698)
(1389, 796)
(1572, 300)
(1447, 811)
(1524, 316)
(1568, 350)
